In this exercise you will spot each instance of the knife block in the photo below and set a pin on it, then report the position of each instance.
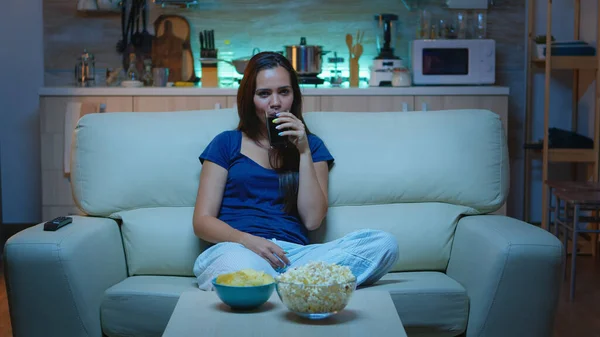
(210, 77)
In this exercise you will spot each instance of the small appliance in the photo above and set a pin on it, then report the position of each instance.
(454, 62)
(85, 69)
(385, 62)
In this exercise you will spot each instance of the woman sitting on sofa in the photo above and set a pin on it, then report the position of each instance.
(257, 202)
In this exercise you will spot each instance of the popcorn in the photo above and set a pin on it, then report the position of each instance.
(316, 287)
(318, 273)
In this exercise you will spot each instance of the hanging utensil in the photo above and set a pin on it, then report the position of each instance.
(146, 37)
(122, 44)
(136, 38)
(358, 50)
(349, 44)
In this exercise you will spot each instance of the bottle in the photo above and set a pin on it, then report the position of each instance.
(147, 77)
(132, 72)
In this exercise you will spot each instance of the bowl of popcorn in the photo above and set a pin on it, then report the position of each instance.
(245, 289)
(316, 290)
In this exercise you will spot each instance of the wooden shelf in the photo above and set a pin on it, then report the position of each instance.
(568, 155)
(585, 70)
(572, 155)
(569, 62)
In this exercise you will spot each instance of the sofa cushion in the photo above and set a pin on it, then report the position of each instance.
(424, 231)
(458, 157)
(122, 161)
(128, 160)
(160, 241)
(428, 303)
(142, 305)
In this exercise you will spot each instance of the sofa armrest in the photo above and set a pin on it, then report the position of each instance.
(56, 280)
(511, 271)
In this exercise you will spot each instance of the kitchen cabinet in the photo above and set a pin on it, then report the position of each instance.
(497, 104)
(367, 103)
(178, 103)
(231, 101)
(309, 103)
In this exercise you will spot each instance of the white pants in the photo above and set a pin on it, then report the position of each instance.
(370, 254)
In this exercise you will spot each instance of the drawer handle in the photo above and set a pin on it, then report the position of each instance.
(424, 106)
(404, 107)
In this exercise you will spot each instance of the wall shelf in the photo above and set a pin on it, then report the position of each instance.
(567, 155)
(569, 62)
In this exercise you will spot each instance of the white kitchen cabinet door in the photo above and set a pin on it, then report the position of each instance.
(311, 103)
(52, 109)
(497, 104)
(178, 103)
(367, 103)
(231, 101)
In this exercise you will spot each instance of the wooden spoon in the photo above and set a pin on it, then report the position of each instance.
(349, 43)
(358, 50)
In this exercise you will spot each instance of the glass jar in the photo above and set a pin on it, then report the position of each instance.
(424, 29)
(147, 77)
(480, 25)
(460, 25)
(401, 77)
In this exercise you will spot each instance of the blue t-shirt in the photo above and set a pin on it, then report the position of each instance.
(251, 201)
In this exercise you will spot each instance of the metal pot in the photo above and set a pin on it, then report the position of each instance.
(305, 59)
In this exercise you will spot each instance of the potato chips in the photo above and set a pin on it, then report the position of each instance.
(245, 278)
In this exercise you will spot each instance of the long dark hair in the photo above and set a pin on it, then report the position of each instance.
(285, 159)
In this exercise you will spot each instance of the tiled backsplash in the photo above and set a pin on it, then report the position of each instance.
(268, 25)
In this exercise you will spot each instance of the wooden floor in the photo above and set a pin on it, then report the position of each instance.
(579, 318)
(5, 329)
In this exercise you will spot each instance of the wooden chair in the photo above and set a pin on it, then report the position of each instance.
(576, 201)
(560, 185)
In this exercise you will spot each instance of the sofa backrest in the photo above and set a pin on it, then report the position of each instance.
(412, 174)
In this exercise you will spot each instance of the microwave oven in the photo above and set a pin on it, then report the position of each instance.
(453, 62)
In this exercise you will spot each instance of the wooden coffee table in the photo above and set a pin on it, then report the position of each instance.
(201, 313)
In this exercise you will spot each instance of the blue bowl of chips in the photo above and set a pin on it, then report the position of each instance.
(244, 295)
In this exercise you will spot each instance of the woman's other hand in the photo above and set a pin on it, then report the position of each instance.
(289, 125)
(266, 249)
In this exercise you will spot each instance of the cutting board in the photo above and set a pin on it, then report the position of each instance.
(172, 49)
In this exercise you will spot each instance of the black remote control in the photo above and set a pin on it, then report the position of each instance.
(57, 223)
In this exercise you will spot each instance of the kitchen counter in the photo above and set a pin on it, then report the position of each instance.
(306, 90)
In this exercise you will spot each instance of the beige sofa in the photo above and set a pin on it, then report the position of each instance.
(429, 178)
